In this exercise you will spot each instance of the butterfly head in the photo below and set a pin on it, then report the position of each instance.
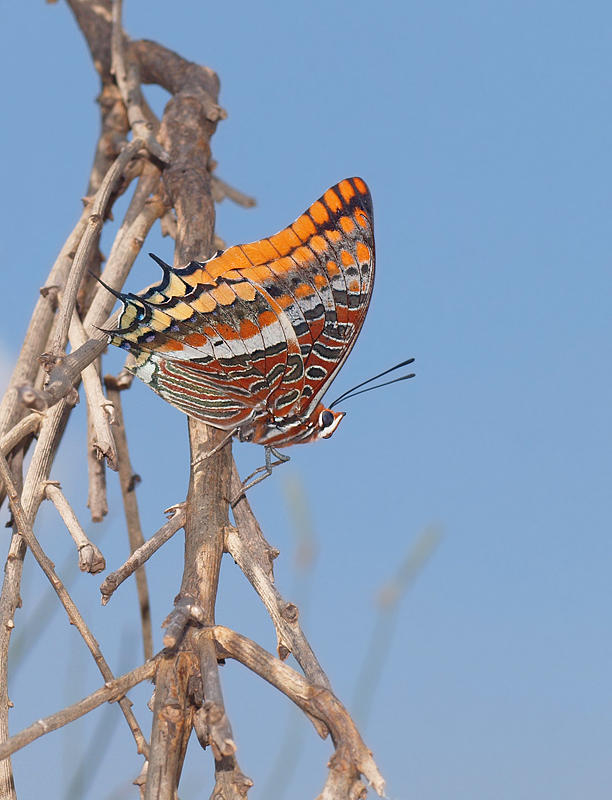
(326, 422)
(283, 431)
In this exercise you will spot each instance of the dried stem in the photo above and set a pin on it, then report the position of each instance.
(173, 720)
(64, 373)
(25, 530)
(27, 426)
(41, 324)
(188, 123)
(50, 434)
(128, 81)
(254, 562)
(89, 240)
(90, 558)
(96, 469)
(109, 693)
(128, 480)
(139, 218)
(352, 758)
(101, 411)
(144, 553)
(212, 713)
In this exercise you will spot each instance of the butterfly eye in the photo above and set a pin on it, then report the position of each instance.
(326, 419)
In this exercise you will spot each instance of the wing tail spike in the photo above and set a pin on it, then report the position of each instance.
(165, 267)
(119, 295)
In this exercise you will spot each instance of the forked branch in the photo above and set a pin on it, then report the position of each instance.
(352, 759)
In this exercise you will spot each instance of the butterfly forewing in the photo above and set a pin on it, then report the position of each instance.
(263, 328)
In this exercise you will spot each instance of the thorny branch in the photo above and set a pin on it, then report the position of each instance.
(172, 161)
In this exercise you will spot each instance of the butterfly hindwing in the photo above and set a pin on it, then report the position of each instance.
(261, 328)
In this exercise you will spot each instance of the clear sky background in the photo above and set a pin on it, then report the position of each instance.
(483, 131)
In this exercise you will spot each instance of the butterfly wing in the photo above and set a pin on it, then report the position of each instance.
(264, 327)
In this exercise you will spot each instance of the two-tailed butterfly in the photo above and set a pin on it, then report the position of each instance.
(250, 340)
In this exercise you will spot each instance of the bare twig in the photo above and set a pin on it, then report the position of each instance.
(39, 328)
(101, 410)
(128, 481)
(352, 758)
(173, 720)
(27, 426)
(42, 458)
(67, 371)
(109, 693)
(284, 615)
(89, 240)
(96, 470)
(139, 218)
(90, 558)
(25, 530)
(212, 713)
(115, 127)
(185, 609)
(189, 122)
(128, 81)
(142, 555)
(250, 532)
(221, 190)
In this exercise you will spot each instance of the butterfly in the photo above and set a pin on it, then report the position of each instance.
(250, 340)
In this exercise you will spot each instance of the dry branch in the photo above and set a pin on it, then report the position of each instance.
(27, 426)
(212, 713)
(352, 758)
(47, 566)
(142, 555)
(100, 410)
(90, 558)
(96, 469)
(99, 208)
(128, 81)
(188, 687)
(139, 218)
(173, 719)
(249, 549)
(128, 480)
(109, 693)
(39, 328)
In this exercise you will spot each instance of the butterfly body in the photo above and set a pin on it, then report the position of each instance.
(250, 340)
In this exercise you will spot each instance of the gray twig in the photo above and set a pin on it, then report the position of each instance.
(144, 553)
(352, 759)
(109, 693)
(128, 480)
(128, 81)
(99, 207)
(90, 558)
(47, 566)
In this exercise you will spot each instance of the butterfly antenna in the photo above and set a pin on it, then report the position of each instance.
(375, 378)
(378, 386)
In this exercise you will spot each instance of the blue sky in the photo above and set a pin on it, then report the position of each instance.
(483, 131)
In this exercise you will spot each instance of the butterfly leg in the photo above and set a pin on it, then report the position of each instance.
(267, 468)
